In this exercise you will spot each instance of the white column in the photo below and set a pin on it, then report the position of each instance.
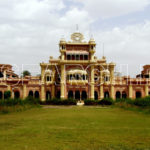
(146, 90)
(130, 91)
(4, 74)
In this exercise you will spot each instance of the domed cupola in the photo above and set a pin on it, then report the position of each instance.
(62, 41)
(92, 41)
(106, 72)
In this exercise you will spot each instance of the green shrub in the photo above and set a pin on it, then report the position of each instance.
(143, 102)
(16, 101)
(56, 101)
(129, 101)
(124, 100)
(31, 100)
(106, 101)
(90, 102)
(118, 100)
(68, 102)
(7, 94)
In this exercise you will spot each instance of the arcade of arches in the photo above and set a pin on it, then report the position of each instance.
(79, 95)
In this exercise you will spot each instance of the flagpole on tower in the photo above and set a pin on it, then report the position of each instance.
(77, 27)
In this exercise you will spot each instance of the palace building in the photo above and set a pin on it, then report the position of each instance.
(77, 73)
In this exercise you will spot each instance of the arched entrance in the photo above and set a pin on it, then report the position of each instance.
(77, 95)
(124, 95)
(138, 94)
(118, 95)
(48, 95)
(106, 94)
(58, 94)
(1, 95)
(84, 95)
(70, 94)
(16, 94)
(30, 94)
(36, 94)
(1, 75)
(96, 95)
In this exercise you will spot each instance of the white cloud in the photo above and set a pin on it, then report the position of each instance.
(75, 16)
(113, 8)
(128, 45)
(30, 29)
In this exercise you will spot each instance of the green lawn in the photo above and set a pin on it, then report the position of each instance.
(75, 128)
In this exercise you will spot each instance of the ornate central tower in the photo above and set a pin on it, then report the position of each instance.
(77, 73)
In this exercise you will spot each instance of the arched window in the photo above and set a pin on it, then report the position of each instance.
(70, 94)
(77, 77)
(138, 94)
(96, 77)
(77, 95)
(84, 77)
(84, 95)
(106, 79)
(81, 57)
(48, 78)
(36, 94)
(85, 57)
(106, 94)
(77, 57)
(30, 94)
(118, 95)
(17, 94)
(96, 95)
(73, 57)
(68, 57)
(1, 95)
(1, 75)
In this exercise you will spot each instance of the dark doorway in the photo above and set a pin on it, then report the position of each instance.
(68, 57)
(96, 95)
(1, 95)
(17, 94)
(77, 95)
(118, 95)
(1, 75)
(36, 95)
(58, 94)
(124, 95)
(48, 95)
(84, 95)
(138, 94)
(30, 94)
(70, 94)
(106, 94)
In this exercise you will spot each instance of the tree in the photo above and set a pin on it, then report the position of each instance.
(26, 73)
